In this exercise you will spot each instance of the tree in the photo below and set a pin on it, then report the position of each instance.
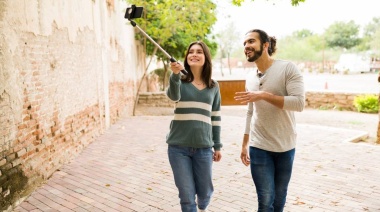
(293, 2)
(227, 39)
(304, 33)
(371, 28)
(375, 43)
(342, 34)
(174, 24)
(300, 46)
(372, 36)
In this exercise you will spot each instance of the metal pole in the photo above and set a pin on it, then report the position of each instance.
(154, 42)
(158, 46)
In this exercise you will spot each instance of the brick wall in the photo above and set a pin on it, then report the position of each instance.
(154, 99)
(68, 70)
(331, 100)
(314, 99)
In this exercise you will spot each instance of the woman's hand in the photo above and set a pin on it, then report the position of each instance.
(217, 156)
(176, 67)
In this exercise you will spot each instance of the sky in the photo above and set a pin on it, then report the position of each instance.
(279, 18)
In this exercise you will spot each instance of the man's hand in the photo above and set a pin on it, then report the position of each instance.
(244, 156)
(245, 97)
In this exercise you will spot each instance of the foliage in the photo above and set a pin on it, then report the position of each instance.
(371, 28)
(342, 34)
(375, 43)
(180, 22)
(303, 33)
(372, 36)
(227, 39)
(293, 2)
(174, 24)
(367, 103)
(302, 45)
(295, 49)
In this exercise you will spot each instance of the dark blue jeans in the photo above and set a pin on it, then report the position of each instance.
(271, 172)
(192, 170)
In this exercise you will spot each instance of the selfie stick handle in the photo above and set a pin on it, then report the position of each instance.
(172, 59)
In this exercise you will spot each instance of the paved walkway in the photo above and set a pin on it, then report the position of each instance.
(126, 169)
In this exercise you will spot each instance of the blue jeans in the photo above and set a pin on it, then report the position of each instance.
(271, 172)
(192, 170)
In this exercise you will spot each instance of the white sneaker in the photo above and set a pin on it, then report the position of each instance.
(200, 210)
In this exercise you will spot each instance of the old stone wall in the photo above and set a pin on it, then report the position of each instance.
(314, 99)
(68, 70)
(331, 100)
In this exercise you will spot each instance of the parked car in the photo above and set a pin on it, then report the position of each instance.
(353, 63)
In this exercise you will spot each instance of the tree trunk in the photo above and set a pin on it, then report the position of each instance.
(141, 81)
(221, 66)
(229, 63)
(164, 80)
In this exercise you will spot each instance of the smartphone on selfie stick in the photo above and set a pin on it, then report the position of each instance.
(136, 12)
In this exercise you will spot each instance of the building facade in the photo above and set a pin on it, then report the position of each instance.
(68, 70)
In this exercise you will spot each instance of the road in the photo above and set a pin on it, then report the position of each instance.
(360, 83)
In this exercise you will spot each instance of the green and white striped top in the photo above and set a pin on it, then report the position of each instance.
(197, 119)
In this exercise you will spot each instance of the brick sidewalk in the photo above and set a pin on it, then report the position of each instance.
(127, 169)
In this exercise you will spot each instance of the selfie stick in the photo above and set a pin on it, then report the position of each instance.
(172, 59)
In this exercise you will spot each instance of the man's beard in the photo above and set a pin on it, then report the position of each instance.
(256, 55)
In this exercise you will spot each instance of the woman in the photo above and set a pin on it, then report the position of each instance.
(194, 137)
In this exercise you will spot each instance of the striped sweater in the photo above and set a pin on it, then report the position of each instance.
(196, 121)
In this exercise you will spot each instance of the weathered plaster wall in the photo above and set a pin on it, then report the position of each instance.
(68, 69)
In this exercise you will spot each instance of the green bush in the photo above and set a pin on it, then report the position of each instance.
(367, 103)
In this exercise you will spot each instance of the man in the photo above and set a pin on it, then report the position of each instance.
(273, 92)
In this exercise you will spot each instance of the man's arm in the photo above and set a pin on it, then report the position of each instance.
(244, 156)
